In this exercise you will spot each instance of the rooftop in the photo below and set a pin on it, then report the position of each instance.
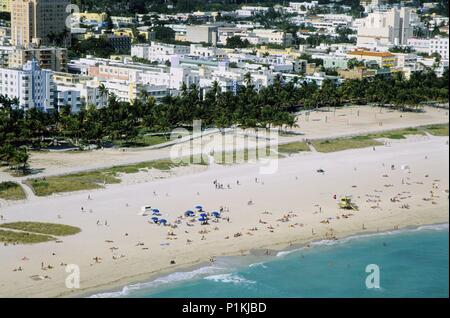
(370, 53)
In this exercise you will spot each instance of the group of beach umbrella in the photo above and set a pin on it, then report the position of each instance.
(155, 219)
(203, 217)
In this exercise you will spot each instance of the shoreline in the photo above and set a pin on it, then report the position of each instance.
(101, 292)
(363, 173)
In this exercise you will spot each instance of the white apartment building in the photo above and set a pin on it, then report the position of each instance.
(302, 7)
(388, 27)
(320, 77)
(123, 21)
(127, 91)
(33, 87)
(230, 79)
(78, 94)
(329, 22)
(157, 75)
(159, 52)
(249, 11)
(438, 45)
(68, 96)
(206, 51)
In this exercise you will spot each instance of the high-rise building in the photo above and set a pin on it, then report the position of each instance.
(39, 22)
(391, 27)
(5, 5)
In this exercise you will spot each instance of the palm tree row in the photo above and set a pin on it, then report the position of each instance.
(271, 106)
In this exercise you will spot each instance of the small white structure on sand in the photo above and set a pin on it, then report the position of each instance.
(145, 209)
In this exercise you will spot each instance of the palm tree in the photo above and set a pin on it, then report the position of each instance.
(248, 79)
(103, 91)
(216, 88)
(184, 89)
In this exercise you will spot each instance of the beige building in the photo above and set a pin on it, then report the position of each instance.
(49, 58)
(34, 21)
(202, 34)
(356, 73)
(383, 59)
(90, 17)
(5, 5)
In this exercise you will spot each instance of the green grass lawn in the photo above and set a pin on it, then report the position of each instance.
(71, 182)
(23, 237)
(397, 134)
(162, 164)
(11, 191)
(437, 130)
(293, 147)
(42, 228)
(242, 156)
(94, 179)
(339, 144)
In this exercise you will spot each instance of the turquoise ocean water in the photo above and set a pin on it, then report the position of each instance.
(412, 263)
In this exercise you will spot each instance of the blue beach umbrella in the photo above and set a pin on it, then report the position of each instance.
(189, 213)
(216, 214)
(163, 221)
(202, 219)
(199, 207)
(155, 210)
(203, 215)
(155, 219)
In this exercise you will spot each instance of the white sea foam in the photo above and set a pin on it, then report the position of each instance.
(434, 227)
(236, 279)
(261, 264)
(229, 278)
(437, 227)
(171, 278)
(284, 253)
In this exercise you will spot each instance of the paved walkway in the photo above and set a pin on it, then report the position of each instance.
(28, 191)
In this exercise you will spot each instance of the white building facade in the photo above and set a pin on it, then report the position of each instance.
(438, 45)
(33, 87)
(386, 27)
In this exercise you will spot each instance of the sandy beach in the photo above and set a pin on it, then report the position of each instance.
(403, 184)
